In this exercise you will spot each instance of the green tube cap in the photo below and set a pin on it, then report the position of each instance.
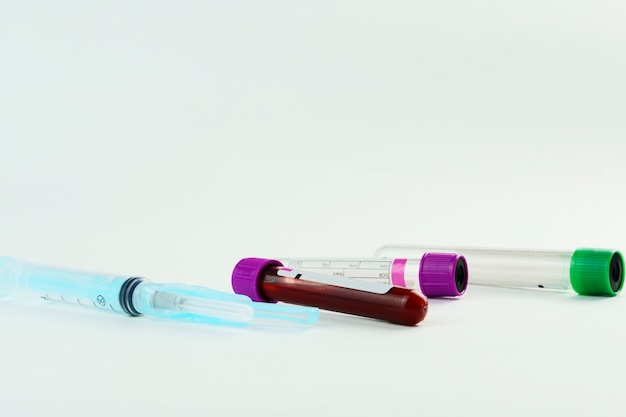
(597, 272)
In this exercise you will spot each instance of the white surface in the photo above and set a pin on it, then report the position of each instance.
(170, 140)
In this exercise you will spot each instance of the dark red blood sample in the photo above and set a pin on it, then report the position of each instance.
(397, 305)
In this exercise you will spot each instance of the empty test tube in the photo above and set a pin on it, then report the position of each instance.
(434, 274)
(586, 271)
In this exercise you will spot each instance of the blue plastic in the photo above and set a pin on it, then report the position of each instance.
(30, 280)
(108, 292)
(201, 304)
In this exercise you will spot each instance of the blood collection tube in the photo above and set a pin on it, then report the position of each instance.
(434, 274)
(586, 271)
(268, 280)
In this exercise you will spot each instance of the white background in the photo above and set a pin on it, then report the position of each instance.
(171, 139)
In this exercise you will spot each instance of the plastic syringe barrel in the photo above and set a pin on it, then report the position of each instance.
(587, 271)
(35, 281)
(136, 296)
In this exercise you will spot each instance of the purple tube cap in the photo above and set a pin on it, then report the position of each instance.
(246, 275)
(443, 275)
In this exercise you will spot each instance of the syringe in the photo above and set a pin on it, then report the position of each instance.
(434, 274)
(136, 296)
(586, 271)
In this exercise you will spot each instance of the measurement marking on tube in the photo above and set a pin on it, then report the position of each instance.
(101, 300)
(339, 281)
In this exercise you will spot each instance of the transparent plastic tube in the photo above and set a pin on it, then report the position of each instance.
(182, 302)
(267, 280)
(434, 274)
(28, 280)
(186, 302)
(586, 271)
(135, 296)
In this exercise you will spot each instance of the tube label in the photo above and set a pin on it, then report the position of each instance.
(397, 272)
(355, 284)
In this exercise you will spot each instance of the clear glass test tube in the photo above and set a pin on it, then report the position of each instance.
(269, 281)
(136, 296)
(586, 271)
(434, 274)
